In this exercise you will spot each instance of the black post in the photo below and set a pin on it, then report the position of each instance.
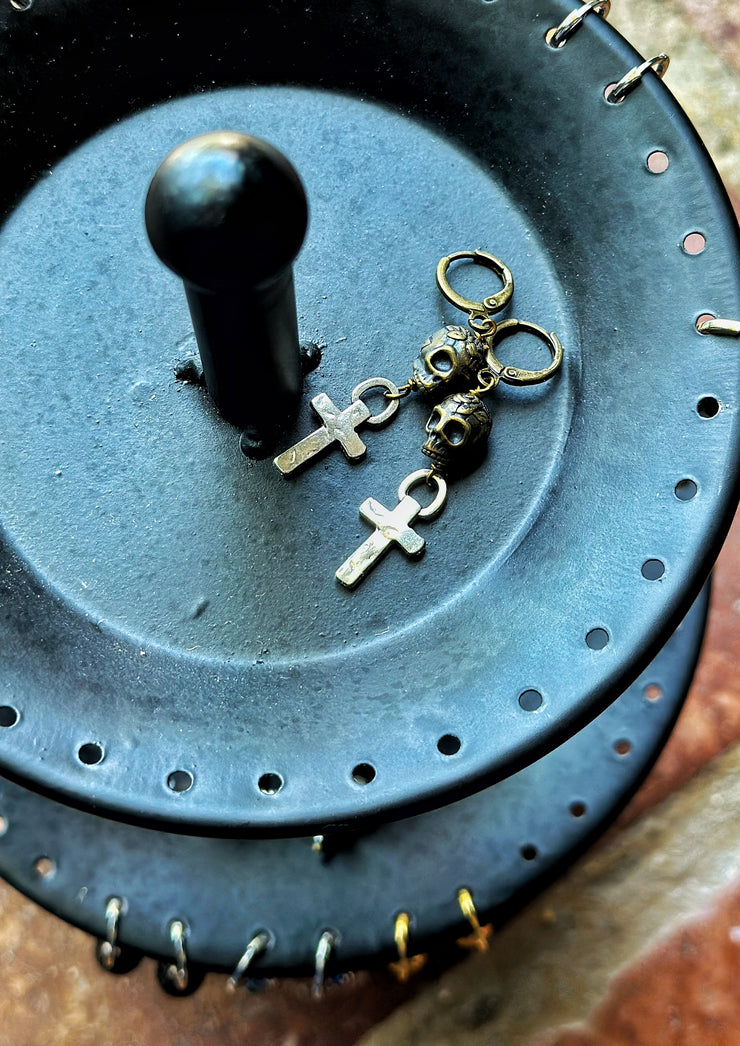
(228, 213)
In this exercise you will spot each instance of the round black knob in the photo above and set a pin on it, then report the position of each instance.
(227, 212)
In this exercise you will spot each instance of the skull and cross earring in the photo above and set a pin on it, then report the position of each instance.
(454, 357)
(450, 358)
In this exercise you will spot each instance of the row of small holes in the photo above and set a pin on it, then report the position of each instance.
(363, 773)
(708, 406)
(179, 781)
(90, 753)
(578, 808)
(531, 700)
(658, 163)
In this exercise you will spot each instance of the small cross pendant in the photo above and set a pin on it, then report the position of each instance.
(392, 527)
(404, 969)
(406, 965)
(339, 427)
(479, 939)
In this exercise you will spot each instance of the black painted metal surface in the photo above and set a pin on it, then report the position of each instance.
(174, 606)
(502, 844)
(228, 214)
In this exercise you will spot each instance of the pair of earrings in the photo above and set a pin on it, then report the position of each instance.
(453, 358)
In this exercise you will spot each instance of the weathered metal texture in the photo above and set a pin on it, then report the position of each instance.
(174, 605)
(503, 844)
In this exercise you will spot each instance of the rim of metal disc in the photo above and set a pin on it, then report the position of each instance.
(302, 906)
(646, 471)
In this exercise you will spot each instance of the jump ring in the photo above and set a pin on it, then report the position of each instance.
(515, 375)
(108, 950)
(495, 302)
(391, 405)
(327, 942)
(174, 976)
(487, 381)
(556, 37)
(258, 944)
(630, 80)
(426, 476)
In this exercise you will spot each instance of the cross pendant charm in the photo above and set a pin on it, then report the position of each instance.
(479, 939)
(392, 526)
(406, 965)
(340, 426)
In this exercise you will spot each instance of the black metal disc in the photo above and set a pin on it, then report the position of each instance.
(502, 844)
(175, 648)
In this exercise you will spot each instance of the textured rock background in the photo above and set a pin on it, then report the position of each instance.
(638, 944)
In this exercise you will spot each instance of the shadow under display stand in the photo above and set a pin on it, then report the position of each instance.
(193, 663)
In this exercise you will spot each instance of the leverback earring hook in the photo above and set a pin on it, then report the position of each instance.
(480, 313)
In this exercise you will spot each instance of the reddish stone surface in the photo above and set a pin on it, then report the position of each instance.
(54, 992)
(682, 993)
(718, 24)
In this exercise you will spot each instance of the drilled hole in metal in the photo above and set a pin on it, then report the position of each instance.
(529, 852)
(449, 744)
(694, 243)
(8, 715)
(91, 753)
(363, 773)
(270, 784)
(685, 489)
(653, 569)
(44, 867)
(658, 161)
(530, 700)
(707, 407)
(623, 746)
(653, 692)
(180, 781)
(578, 809)
(549, 36)
(597, 638)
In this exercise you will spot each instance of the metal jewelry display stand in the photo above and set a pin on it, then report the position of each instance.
(211, 751)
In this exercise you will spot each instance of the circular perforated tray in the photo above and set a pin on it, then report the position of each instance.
(175, 648)
(502, 845)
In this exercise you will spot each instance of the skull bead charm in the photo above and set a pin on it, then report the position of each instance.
(456, 432)
(452, 356)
